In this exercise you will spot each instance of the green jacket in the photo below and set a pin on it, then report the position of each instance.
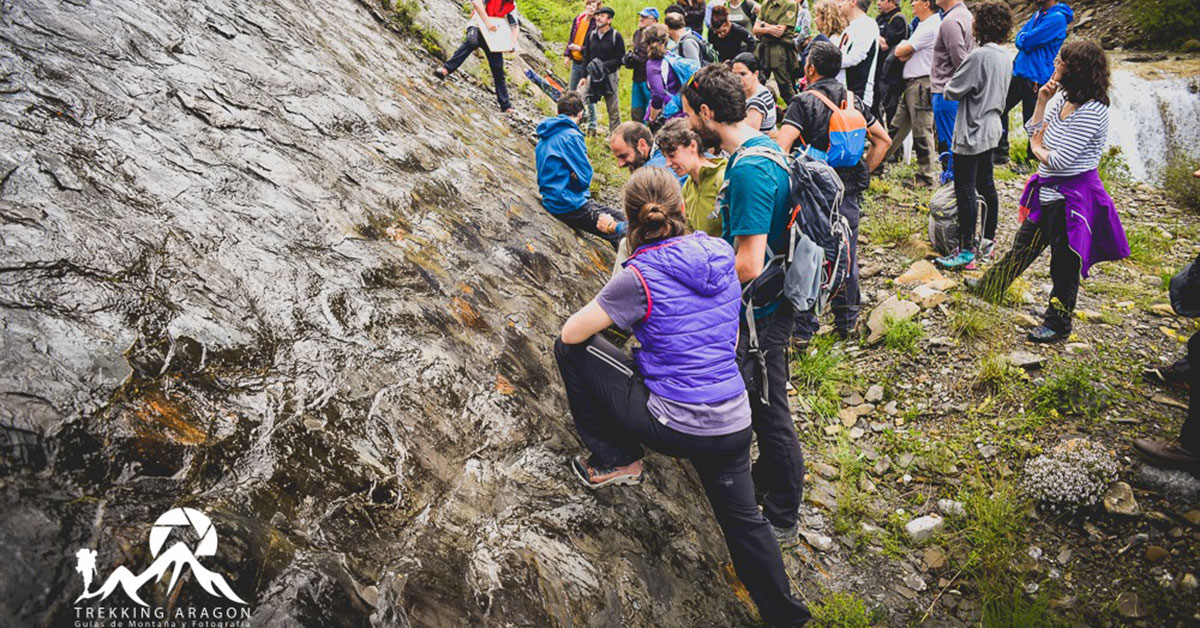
(778, 52)
(776, 12)
(700, 197)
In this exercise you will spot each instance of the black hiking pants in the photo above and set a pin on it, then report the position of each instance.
(1021, 91)
(495, 61)
(1031, 239)
(608, 400)
(974, 177)
(779, 470)
(1189, 435)
(845, 304)
(584, 219)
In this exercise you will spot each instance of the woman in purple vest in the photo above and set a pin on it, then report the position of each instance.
(682, 394)
(1064, 206)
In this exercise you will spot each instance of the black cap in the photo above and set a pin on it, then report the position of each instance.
(606, 10)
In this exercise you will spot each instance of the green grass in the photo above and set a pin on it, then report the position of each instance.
(818, 373)
(971, 323)
(1113, 169)
(1073, 387)
(1179, 184)
(892, 225)
(606, 174)
(841, 610)
(404, 18)
(902, 335)
(997, 376)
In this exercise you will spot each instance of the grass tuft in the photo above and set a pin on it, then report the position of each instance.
(817, 374)
(902, 335)
(1073, 387)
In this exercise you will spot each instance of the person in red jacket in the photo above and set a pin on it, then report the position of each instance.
(475, 40)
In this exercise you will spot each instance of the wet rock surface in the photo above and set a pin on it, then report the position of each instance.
(256, 263)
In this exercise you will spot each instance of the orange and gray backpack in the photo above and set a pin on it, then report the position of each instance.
(847, 133)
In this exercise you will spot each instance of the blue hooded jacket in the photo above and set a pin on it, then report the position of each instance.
(1039, 41)
(563, 171)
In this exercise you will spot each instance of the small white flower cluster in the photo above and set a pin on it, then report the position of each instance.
(1073, 475)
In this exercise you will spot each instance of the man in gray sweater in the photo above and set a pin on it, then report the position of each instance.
(980, 86)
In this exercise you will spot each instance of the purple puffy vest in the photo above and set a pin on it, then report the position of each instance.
(689, 334)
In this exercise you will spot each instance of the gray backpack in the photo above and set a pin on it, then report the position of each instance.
(943, 219)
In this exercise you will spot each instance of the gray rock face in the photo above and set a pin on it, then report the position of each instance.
(256, 263)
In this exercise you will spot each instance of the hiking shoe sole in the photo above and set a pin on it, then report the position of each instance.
(579, 466)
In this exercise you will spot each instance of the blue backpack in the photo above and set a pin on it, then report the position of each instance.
(847, 133)
(683, 68)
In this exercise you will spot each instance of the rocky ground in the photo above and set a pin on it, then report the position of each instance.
(917, 445)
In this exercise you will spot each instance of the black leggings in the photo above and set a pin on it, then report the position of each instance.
(608, 399)
(1031, 239)
(972, 179)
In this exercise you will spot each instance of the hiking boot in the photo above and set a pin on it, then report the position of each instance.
(1044, 335)
(1000, 158)
(440, 73)
(1174, 376)
(987, 248)
(974, 286)
(1167, 455)
(594, 478)
(956, 260)
(787, 537)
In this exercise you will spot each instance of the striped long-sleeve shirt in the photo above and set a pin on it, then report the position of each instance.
(1075, 143)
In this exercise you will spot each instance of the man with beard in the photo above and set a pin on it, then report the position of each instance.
(632, 145)
(754, 214)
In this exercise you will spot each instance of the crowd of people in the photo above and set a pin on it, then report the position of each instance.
(708, 201)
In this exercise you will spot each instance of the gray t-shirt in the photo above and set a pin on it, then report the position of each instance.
(980, 86)
(625, 301)
(955, 38)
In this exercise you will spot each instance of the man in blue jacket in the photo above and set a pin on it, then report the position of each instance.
(1037, 46)
(565, 175)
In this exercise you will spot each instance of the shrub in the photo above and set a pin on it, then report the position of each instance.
(1165, 22)
(996, 375)
(1113, 169)
(404, 18)
(1179, 184)
(840, 610)
(1074, 387)
(891, 225)
(1073, 475)
(902, 335)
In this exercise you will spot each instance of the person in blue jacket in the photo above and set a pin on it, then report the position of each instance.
(1037, 46)
(565, 174)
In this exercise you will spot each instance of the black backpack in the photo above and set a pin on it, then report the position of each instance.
(816, 263)
(808, 280)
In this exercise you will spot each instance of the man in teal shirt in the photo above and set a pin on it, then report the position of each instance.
(754, 213)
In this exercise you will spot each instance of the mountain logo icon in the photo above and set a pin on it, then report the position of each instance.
(175, 558)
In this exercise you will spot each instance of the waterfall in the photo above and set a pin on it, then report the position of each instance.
(1153, 119)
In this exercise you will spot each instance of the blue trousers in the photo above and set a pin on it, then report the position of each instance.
(944, 113)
